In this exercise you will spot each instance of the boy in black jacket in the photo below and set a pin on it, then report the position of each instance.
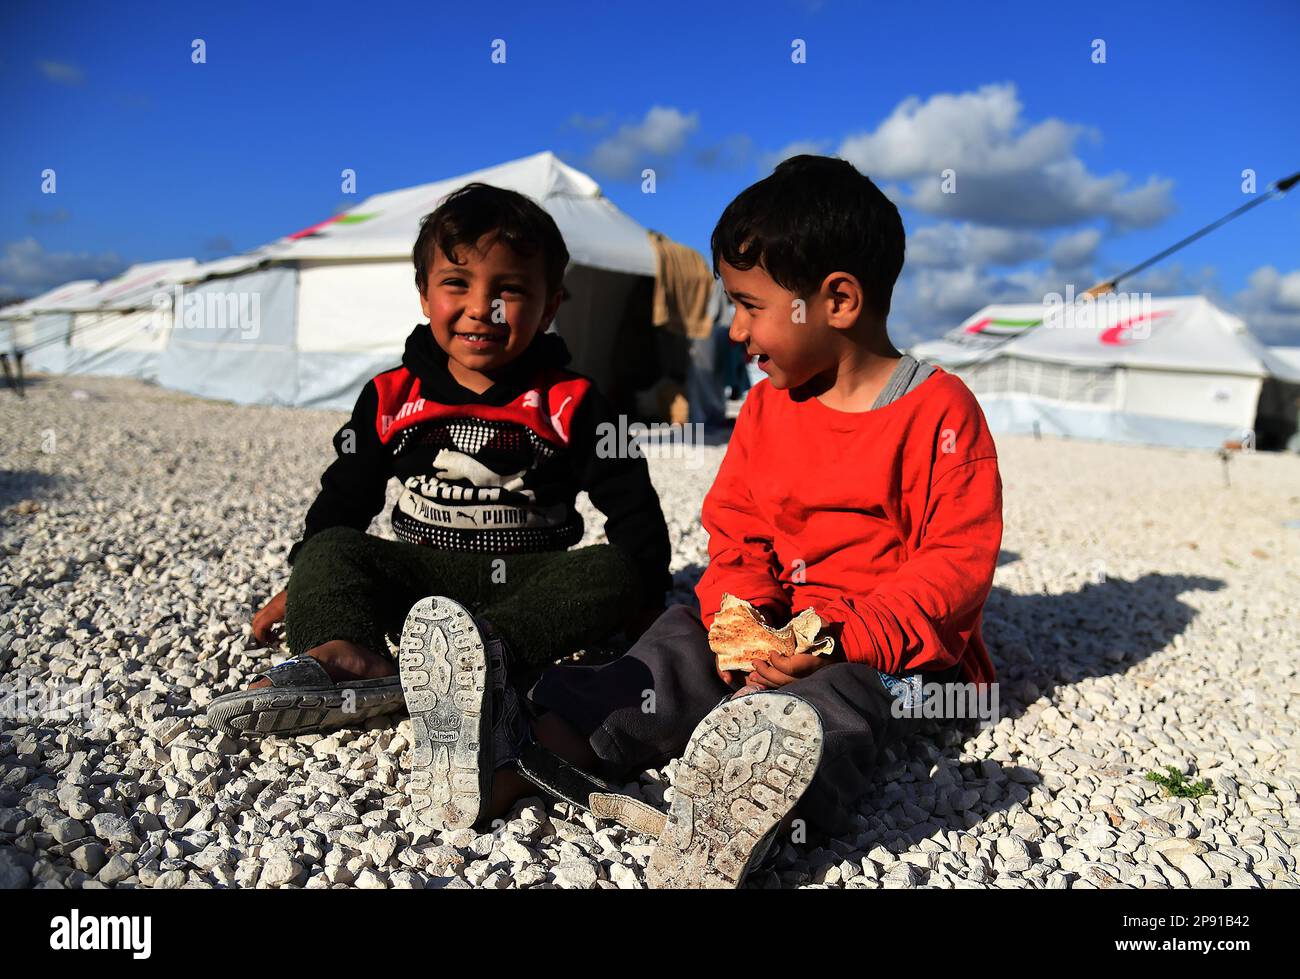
(492, 439)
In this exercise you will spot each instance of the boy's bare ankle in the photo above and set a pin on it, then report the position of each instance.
(508, 787)
(555, 733)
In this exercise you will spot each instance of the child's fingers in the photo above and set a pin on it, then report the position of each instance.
(783, 664)
(264, 632)
(795, 665)
(769, 676)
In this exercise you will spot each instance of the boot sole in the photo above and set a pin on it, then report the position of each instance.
(745, 767)
(444, 672)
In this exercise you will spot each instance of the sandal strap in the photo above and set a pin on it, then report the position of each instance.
(565, 781)
(638, 816)
(301, 671)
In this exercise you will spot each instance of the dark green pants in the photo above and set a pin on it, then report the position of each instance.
(350, 585)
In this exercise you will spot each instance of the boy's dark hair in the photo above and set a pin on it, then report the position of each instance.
(812, 216)
(476, 209)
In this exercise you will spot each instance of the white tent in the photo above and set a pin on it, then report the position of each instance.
(1288, 355)
(1176, 371)
(121, 327)
(116, 327)
(39, 328)
(307, 319)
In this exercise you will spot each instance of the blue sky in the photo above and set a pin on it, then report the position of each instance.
(1065, 169)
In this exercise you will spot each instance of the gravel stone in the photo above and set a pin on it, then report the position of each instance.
(1105, 623)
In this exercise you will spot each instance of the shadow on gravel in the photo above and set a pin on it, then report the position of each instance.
(1046, 640)
(30, 381)
(24, 484)
(1039, 642)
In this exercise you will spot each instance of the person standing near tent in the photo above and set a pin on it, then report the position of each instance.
(492, 440)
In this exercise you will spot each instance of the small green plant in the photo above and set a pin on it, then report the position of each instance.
(1176, 784)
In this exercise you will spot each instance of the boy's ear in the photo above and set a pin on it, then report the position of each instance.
(552, 307)
(844, 299)
(424, 303)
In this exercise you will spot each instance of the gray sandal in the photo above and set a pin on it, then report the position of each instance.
(302, 699)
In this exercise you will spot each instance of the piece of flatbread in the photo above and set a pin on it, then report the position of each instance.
(739, 637)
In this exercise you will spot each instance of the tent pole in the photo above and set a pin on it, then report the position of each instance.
(1276, 189)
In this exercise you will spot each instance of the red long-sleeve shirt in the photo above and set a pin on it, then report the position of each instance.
(887, 522)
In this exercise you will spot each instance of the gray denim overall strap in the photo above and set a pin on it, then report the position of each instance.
(907, 376)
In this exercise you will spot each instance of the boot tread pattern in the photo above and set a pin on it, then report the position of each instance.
(744, 769)
(443, 668)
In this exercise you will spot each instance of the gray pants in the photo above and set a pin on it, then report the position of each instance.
(639, 711)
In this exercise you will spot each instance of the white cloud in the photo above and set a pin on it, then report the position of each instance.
(27, 269)
(656, 138)
(931, 301)
(1172, 280)
(767, 162)
(1007, 172)
(951, 246)
(1270, 305)
(1077, 249)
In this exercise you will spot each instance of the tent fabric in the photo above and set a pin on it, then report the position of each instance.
(1184, 333)
(117, 343)
(338, 299)
(135, 288)
(218, 361)
(56, 298)
(120, 327)
(43, 339)
(38, 330)
(597, 233)
(307, 319)
(1176, 371)
(683, 291)
(1289, 358)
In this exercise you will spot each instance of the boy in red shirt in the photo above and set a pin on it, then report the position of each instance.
(857, 483)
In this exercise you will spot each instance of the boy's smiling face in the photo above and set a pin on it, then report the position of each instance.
(485, 307)
(790, 352)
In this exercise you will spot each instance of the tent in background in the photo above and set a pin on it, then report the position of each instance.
(39, 328)
(115, 327)
(1288, 355)
(119, 329)
(336, 301)
(1176, 371)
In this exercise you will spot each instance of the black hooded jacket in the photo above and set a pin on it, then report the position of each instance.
(495, 472)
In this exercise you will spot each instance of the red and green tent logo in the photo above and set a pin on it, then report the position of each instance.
(317, 228)
(1000, 327)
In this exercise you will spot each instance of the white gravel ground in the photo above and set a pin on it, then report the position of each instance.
(1144, 616)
